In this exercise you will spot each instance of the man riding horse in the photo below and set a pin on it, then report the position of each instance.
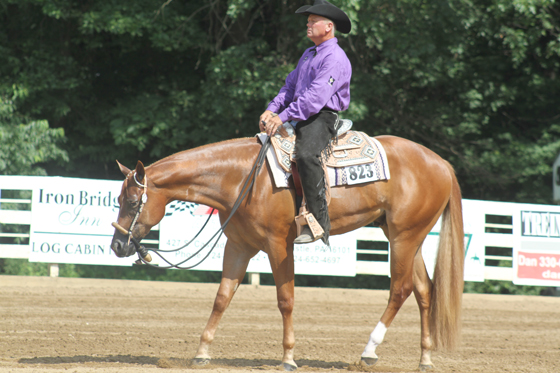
(310, 100)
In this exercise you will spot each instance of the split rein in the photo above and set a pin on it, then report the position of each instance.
(143, 254)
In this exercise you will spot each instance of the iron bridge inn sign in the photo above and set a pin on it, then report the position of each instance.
(71, 221)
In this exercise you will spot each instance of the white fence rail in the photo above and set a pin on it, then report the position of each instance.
(369, 262)
(496, 233)
(14, 227)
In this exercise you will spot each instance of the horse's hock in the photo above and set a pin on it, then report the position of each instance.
(84, 325)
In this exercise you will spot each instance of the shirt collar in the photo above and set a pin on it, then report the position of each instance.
(326, 44)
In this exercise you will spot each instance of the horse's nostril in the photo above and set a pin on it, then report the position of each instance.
(116, 246)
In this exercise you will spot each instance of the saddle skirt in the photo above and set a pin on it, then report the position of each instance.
(355, 158)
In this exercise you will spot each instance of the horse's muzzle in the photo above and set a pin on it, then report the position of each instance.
(121, 247)
(120, 244)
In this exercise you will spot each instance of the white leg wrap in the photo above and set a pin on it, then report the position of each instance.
(375, 339)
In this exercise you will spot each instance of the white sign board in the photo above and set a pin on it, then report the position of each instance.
(183, 220)
(71, 221)
(536, 256)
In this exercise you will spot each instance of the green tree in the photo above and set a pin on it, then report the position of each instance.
(476, 81)
(26, 144)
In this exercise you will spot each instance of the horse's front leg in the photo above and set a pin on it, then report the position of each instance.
(235, 266)
(282, 264)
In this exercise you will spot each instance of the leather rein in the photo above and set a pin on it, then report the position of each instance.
(143, 254)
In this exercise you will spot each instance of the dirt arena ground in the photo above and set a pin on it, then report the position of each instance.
(81, 325)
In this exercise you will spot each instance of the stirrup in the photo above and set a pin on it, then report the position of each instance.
(308, 229)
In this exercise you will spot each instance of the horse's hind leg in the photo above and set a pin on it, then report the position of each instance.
(235, 266)
(423, 293)
(402, 261)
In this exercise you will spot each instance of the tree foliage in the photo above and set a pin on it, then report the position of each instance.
(24, 143)
(474, 80)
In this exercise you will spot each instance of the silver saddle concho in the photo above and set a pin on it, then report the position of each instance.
(308, 229)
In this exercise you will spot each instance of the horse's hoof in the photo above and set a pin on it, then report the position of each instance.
(201, 361)
(289, 367)
(425, 367)
(369, 361)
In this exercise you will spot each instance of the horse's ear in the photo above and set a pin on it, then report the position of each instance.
(123, 169)
(140, 171)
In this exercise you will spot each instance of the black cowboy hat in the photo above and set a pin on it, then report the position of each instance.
(325, 9)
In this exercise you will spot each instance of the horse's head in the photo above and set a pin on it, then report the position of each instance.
(140, 209)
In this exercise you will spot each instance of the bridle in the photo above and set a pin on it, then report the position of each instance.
(143, 200)
(142, 251)
(145, 257)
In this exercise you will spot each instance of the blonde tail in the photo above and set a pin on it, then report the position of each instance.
(445, 307)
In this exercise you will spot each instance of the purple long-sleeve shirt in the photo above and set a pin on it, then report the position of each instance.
(320, 80)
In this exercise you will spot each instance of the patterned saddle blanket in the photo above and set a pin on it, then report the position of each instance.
(355, 158)
(353, 148)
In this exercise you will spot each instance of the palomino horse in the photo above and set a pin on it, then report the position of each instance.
(422, 187)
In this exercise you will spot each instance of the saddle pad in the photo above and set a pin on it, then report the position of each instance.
(349, 175)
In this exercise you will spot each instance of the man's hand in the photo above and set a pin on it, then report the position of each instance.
(265, 117)
(269, 122)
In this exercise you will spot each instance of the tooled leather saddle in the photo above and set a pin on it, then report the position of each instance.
(349, 149)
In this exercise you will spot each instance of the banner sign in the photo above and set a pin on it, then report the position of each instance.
(536, 256)
(184, 219)
(71, 221)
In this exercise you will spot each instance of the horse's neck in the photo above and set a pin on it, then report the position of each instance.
(211, 175)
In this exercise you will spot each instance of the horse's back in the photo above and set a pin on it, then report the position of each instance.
(414, 159)
(421, 181)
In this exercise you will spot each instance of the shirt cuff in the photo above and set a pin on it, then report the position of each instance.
(273, 106)
(283, 116)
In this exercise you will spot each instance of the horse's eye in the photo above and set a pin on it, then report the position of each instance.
(134, 204)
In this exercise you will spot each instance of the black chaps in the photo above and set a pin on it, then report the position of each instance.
(313, 137)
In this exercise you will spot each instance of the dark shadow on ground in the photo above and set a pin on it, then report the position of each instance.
(183, 363)
(248, 363)
(127, 359)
